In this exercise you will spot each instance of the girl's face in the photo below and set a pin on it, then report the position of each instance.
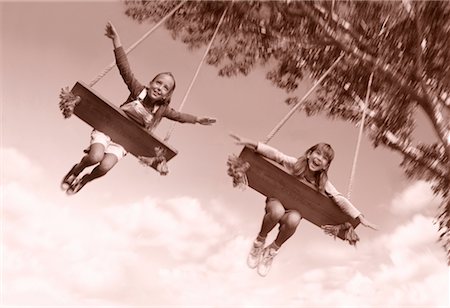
(317, 161)
(160, 88)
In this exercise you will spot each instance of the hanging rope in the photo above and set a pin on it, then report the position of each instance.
(358, 143)
(291, 112)
(111, 66)
(237, 168)
(197, 72)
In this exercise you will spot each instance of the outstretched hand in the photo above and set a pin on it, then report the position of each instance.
(206, 121)
(367, 223)
(244, 141)
(110, 31)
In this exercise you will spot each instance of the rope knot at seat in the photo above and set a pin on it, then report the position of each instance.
(237, 169)
(158, 161)
(68, 101)
(346, 230)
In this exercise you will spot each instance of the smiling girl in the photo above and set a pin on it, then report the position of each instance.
(313, 167)
(152, 103)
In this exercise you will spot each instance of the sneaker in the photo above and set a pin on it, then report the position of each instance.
(266, 260)
(69, 178)
(77, 185)
(255, 254)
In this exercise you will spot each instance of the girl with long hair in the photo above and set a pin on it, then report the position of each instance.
(312, 167)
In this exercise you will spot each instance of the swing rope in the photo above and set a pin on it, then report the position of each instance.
(237, 167)
(361, 127)
(132, 47)
(297, 105)
(169, 133)
(358, 143)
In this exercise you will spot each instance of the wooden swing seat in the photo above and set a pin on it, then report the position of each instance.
(111, 120)
(273, 180)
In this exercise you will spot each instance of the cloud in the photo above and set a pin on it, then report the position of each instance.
(51, 250)
(413, 272)
(391, 270)
(402, 268)
(122, 254)
(58, 254)
(418, 232)
(180, 226)
(16, 165)
(186, 251)
(414, 199)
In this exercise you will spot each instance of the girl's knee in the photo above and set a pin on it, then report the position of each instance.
(95, 155)
(103, 169)
(275, 209)
(292, 219)
(108, 162)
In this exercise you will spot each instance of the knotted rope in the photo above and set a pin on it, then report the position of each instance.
(237, 169)
(169, 133)
(158, 162)
(345, 230)
(358, 143)
(298, 104)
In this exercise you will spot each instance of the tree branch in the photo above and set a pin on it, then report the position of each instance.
(445, 98)
(344, 44)
(420, 71)
(412, 153)
(397, 144)
(385, 69)
(294, 13)
(345, 26)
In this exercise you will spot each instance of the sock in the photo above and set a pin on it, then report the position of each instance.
(274, 246)
(259, 241)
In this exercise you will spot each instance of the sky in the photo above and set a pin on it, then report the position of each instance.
(136, 239)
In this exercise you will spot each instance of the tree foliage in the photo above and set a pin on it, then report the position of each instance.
(405, 44)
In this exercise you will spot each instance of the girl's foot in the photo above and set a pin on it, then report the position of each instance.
(77, 185)
(265, 263)
(255, 254)
(69, 178)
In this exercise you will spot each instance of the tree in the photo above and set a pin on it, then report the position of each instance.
(406, 45)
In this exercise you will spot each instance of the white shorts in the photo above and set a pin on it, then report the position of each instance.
(110, 147)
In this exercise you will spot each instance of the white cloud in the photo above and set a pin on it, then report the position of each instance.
(224, 280)
(50, 250)
(16, 165)
(179, 252)
(402, 268)
(414, 199)
(415, 267)
(56, 254)
(181, 226)
(420, 231)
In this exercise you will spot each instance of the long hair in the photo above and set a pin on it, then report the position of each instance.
(169, 95)
(321, 177)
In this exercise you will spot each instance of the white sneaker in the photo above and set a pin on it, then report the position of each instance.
(265, 263)
(255, 254)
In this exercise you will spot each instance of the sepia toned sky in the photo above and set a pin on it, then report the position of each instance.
(137, 239)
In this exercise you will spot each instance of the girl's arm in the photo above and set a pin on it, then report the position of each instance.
(132, 83)
(266, 151)
(275, 155)
(186, 117)
(346, 206)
